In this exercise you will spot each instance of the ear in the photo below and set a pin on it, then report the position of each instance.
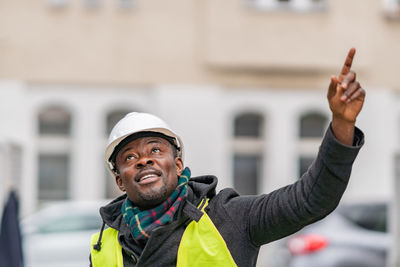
(118, 180)
(179, 165)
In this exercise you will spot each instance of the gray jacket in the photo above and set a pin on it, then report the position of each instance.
(246, 222)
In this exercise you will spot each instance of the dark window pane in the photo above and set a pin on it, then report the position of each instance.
(249, 125)
(246, 173)
(53, 177)
(54, 120)
(305, 163)
(312, 125)
(113, 118)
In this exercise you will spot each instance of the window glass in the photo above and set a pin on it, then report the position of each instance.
(248, 125)
(247, 169)
(312, 125)
(54, 120)
(53, 177)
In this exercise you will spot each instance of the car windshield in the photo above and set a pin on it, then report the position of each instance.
(64, 217)
(368, 216)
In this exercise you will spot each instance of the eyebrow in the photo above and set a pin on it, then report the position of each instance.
(154, 141)
(124, 150)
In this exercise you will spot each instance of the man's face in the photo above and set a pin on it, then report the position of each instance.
(148, 171)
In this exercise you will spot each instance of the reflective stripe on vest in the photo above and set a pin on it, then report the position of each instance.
(201, 246)
(110, 254)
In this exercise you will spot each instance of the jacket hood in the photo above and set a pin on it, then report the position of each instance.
(201, 187)
(111, 213)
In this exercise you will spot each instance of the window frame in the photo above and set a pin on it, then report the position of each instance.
(308, 146)
(53, 144)
(248, 146)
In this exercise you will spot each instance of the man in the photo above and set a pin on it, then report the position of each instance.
(167, 219)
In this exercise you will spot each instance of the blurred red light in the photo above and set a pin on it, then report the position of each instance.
(306, 244)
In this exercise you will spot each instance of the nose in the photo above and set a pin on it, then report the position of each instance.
(143, 162)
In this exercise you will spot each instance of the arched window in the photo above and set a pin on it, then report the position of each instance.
(111, 119)
(54, 131)
(248, 147)
(54, 121)
(312, 127)
(248, 125)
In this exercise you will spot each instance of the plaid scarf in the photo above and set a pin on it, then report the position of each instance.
(141, 223)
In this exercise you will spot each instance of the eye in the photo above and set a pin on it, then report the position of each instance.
(130, 157)
(155, 150)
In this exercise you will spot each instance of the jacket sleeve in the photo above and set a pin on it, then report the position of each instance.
(317, 193)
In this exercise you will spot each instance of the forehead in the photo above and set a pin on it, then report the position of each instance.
(143, 141)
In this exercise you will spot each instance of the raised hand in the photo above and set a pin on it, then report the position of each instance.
(346, 98)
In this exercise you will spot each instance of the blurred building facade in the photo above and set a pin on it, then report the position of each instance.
(243, 82)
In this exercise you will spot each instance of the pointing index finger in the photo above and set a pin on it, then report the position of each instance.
(348, 62)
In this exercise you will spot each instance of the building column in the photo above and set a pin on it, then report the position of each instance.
(87, 171)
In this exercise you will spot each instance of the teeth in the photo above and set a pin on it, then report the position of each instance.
(147, 176)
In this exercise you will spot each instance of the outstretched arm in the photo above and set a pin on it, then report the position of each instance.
(346, 98)
(318, 192)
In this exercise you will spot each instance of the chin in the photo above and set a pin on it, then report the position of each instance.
(152, 198)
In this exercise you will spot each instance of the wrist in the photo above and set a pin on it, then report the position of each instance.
(343, 130)
(339, 120)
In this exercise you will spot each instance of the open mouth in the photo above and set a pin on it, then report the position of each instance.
(147, 176)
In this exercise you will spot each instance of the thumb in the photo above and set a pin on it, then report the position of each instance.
(332, 87)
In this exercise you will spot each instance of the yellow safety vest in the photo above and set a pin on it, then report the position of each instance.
(201, 246)
(110, 254)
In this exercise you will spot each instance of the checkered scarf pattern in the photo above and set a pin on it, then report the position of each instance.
(141, 223)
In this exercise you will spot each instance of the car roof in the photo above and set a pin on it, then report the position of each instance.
(54, 209)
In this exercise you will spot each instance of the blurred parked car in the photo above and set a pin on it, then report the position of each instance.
(59, 234)
(352, 236)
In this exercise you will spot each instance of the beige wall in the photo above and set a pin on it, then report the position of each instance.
(196, 41)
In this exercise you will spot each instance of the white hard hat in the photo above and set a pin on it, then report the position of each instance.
(136, 122)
